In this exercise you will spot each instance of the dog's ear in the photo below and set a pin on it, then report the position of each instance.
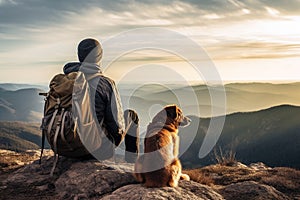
(172, 111)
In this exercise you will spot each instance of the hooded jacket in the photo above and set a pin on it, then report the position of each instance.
(108, 105)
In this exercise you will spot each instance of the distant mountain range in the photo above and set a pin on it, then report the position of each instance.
(271, 136)
(19, 136)
(21, 101)
(21, 105)
(240, 97)
(17, 86)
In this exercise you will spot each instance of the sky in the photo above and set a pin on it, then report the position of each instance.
(247, 40)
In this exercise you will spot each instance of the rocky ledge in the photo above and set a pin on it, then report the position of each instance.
(22, 177)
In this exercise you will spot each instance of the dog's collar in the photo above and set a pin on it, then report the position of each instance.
(157, 126)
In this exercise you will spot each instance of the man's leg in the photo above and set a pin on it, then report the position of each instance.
(132, 135)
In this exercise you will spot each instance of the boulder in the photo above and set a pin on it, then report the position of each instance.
(249, 190)
(91, 179)
(187, 190)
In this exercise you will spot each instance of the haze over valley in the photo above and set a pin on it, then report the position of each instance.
(22, 102)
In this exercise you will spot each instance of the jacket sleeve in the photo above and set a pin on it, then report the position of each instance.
(111, 110)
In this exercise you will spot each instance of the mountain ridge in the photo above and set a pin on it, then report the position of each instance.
(270, 136)
(20, 136)
(260, 130)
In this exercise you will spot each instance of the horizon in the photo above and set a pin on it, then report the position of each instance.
(256, 41)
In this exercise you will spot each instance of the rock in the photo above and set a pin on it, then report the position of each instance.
(251, 190)
(12, 160)
(92, 179)
(241, 165)
(72, 177)
(259, 166)
(186, 190)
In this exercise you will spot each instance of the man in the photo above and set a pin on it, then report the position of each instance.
(108, 106)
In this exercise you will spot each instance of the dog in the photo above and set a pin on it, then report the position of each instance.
(159, 166)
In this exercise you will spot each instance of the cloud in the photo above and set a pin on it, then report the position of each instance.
(272, 11)
(43, 12)
(46, 33)
(45, 26)
(7, 2)
(237, 50)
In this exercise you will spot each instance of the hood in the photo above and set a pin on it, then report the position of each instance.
(87, 68)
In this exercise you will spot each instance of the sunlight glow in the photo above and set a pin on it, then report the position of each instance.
(272, 11)
(246, 11)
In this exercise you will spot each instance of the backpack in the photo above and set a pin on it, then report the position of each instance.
(69, 121)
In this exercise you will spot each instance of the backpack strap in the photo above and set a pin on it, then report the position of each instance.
(62, 135)
(53, 116)
(58, 127)
(54, 164)
(44, 134)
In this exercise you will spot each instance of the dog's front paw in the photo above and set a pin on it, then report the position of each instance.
(185, 177)
(173, 183)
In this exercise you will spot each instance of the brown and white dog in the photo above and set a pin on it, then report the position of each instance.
(159, 166)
